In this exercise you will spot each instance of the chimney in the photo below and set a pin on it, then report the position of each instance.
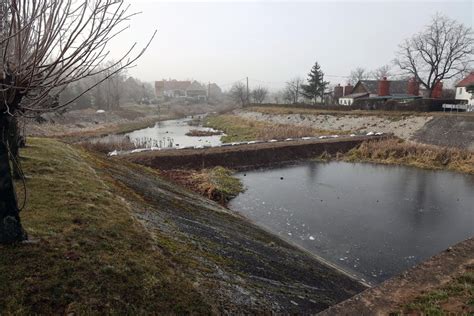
(384, 87)
(413, 87)
(348, 89)
(338, 91)
(437, 92)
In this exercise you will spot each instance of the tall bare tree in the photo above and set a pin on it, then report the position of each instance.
(238, 93)
(259, 94)
(45, 45)
(292, 90)
(441, 51)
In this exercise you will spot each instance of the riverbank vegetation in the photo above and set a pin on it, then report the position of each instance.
(396, 151)
(238, 129)
(201, 133)
(217, 184)
(86, 254)
(454, 298)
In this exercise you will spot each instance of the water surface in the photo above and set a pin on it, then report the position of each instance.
(374, 221)
(172, 134)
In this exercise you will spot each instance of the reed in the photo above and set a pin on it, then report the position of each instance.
(396, 151)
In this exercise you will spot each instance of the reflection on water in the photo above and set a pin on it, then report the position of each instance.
(372, 220)
(172, 134)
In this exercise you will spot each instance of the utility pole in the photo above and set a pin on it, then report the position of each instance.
(248, 99)
(208, 92)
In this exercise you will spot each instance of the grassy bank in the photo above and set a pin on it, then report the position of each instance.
(454, 298)
(87, 253)
(395, 151)
(217, 184)
(240, 129)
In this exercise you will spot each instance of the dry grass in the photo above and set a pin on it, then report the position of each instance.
(454, 298)
(395, 151)
(199, 133)
(282, 110)
(105, 146)
(241, 129)
(217, 184)
(89, 255)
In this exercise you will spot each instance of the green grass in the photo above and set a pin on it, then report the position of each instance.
(459, 291)
(88, 255)
(238, 129)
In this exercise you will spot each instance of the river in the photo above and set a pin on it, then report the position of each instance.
(374, 221)
(172, 134)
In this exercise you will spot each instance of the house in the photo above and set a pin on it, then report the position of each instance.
(174, 89)
(350, 98)
(171, 88)
(196, 91)
(461, 89)
(382, 89)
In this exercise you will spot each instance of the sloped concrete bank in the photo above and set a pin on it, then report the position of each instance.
(237, 266)
(390, 297)
(451, 130)
(246, 156)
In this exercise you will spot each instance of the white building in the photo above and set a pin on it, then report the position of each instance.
(349, 99)
(461, 91)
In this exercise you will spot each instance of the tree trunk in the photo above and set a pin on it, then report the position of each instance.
(13, 141)
(11, 230)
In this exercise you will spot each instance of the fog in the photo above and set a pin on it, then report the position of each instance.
(271, 42)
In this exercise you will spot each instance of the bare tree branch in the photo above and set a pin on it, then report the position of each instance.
(49, 44)
(443, 50)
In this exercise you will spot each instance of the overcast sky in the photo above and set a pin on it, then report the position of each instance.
(272, 42)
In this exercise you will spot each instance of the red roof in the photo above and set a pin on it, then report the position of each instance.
(469, 80)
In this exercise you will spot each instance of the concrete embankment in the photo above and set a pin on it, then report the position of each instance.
(246, 156)
(237, 266)
(451, 130)
(391, 296)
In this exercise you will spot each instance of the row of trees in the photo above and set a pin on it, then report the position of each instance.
(110, 91)
(441, 51)
(240, 94)
(312, 89)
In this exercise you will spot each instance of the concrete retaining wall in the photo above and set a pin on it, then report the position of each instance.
(246, 156)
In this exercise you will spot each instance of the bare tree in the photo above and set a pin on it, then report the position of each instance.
(46, 45)
(259, 94)
(443, 50)
(238, 93)
(292, 90)
(381, 72)
(358, 74)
